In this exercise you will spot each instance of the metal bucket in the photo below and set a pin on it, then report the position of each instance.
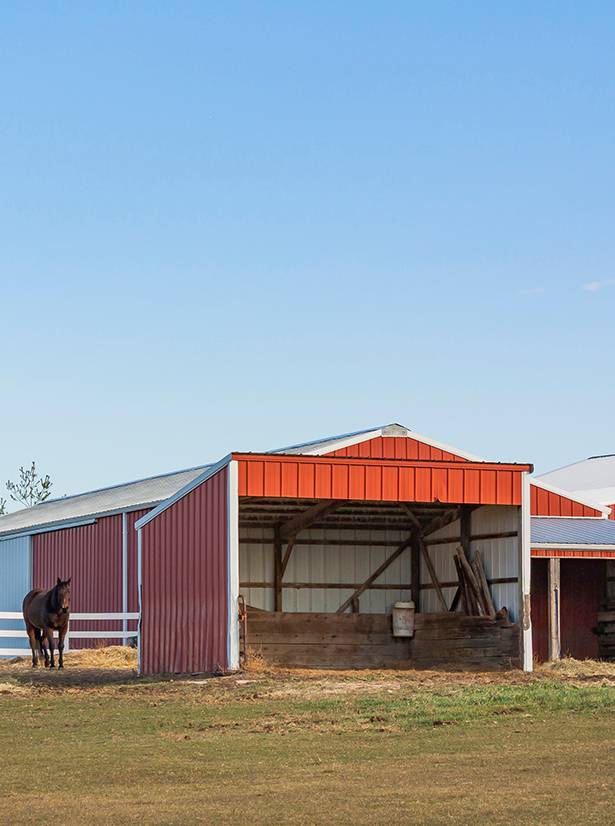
(403, 619)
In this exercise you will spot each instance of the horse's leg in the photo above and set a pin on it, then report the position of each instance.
(61, 635)
(40, 636)
(33, 644)
(50, 641)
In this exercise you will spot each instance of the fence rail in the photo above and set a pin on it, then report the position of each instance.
(20, 633)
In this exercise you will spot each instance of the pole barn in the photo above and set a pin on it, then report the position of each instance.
(322, 540)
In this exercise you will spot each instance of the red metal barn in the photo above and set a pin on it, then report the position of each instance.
(90, 538)
(573, 560)
(321, 540)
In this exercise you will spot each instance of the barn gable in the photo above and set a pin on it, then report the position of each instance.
(392, 441)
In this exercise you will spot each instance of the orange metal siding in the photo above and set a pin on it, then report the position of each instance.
(379, 480)
(184, 583)
(92, 556)
(395, 447)
(546, 503)
(612, 513)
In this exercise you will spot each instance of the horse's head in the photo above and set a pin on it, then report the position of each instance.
(63, 595)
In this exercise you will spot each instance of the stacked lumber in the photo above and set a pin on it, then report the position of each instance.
(474, 593)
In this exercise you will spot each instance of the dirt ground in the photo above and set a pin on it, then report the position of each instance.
(95, 743)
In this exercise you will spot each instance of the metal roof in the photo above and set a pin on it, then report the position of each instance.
(593, 478)
(127, 496)
(553, 530)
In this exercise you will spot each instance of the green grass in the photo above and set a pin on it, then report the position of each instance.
(308, 749)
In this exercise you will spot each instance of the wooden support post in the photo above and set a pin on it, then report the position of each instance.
(465, 530)
(554, 610)
(432, 573)
(415, 574)
(277, 569)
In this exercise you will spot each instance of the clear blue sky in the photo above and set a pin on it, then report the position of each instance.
(240, 225)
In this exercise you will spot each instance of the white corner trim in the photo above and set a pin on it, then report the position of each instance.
(525, 614)
(233, 567)
(167, 503)
(139, 595)
(572, 496)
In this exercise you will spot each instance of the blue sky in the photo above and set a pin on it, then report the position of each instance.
(241, 225)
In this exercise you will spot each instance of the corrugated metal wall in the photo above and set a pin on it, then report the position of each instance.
(374, 480)
(395, 447)
(15, 582)
(612, 513)
(501, 556)
(582, 590)
(540, 609)
(547, 503)
(132, 573)
(184, 565)
(442, 559)
(318, 563)
(92, 556)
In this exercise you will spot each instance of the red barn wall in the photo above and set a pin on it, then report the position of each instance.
(546, 503)
(395, 447)
(540, 608)
(92, 556)
(184, 583)
(582, 590)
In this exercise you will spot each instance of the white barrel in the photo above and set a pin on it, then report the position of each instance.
(403, 619)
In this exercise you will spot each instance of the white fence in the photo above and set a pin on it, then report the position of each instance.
(19, 633)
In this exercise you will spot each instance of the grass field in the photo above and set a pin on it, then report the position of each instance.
(95, 744)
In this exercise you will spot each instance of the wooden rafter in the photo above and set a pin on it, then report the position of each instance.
(303, 520)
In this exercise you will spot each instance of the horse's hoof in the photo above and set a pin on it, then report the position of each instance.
(60, 666)
(52, 665)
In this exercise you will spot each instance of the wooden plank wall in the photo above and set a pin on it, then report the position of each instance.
(450, 641)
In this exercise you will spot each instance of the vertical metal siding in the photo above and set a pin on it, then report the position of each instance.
(546, 503)
(15, 582)
(133, 579)
(395, 447)
(582, 590)
(184, 583)
(444, 566)
(317, 562)
(612, 513)
(379, 480)
(501, 557)
(540, 610)
(92, 556)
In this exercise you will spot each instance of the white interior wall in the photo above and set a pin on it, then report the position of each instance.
(319, 563)
(501, 557)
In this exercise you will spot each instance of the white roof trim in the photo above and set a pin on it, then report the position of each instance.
(572, 496)
(322, 446)
(49, 528)
(575, 546)
(203, 477)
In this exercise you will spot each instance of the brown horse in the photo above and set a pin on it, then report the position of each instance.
(45, 612)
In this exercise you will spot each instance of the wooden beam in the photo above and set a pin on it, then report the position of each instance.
(303, 520)
(415, 574)
(432, 573)
(287, 553)
(555, 647)
(440, 521)
(372, 577)
(277, 570)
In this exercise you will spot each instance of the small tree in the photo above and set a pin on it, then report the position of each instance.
(30, 489)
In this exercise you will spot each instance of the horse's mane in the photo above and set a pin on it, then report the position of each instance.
(52, 599)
